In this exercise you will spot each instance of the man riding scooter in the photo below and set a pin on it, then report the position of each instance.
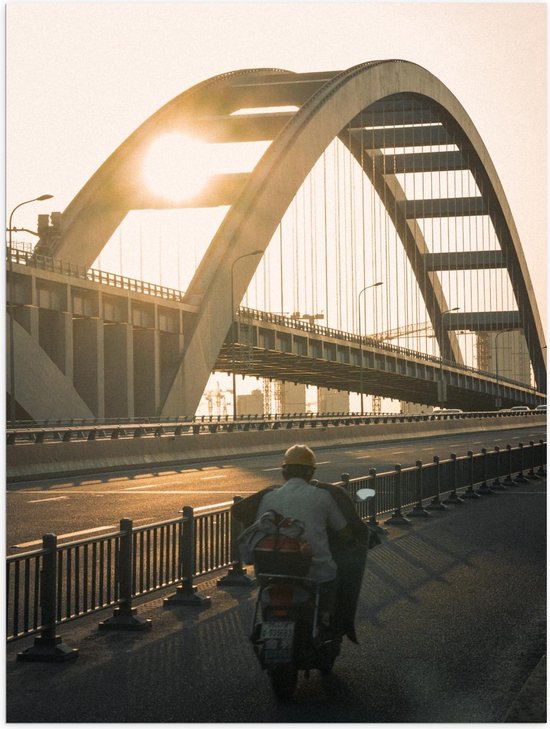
(336, 534)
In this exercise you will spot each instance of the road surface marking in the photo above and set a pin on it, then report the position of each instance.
(323, 463)
(213, 506)
(143, 486)
(395, 453)
(51, 498)
(252, 490)
(277, 468)
(65, 536)
(211, 478)
(362, 457)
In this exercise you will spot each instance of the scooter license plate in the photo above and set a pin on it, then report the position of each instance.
(277, 638)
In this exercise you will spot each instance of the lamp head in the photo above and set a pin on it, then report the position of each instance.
(44, 197)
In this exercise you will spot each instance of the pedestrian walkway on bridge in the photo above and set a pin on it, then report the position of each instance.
(451, 624)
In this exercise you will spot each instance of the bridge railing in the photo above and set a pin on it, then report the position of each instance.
(87, 430)
(61, 582)
(55, 265)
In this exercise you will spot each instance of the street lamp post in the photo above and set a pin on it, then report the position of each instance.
(233, 364)
(11, 291)
(370, 286)
(442, 388)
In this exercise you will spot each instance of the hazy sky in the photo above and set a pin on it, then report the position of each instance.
(82, 76)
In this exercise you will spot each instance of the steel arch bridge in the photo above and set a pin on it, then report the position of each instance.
(370, 108)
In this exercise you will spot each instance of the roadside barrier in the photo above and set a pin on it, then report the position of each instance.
(57, 583)
(46, 432)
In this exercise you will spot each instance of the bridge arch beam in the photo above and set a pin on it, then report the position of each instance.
(328, 102)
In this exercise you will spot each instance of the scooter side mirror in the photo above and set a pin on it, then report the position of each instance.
(365, 494)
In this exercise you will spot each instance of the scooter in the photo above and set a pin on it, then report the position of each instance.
(290, 631)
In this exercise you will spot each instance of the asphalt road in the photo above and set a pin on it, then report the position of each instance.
(451, 623)
(85, 506)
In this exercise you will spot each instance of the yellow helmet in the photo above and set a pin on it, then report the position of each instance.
(299, 455)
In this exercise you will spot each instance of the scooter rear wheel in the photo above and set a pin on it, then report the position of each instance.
(283, 680)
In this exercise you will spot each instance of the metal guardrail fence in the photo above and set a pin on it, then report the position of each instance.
(61, 582)
(82, 430)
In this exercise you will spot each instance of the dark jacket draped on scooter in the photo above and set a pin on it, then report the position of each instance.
(350, 558)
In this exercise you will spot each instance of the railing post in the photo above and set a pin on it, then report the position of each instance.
(484, 488)
(453, 497)
(509, 481)
(418, 509)
(372, 507)
(470, 492)
(48, 646)
(436, 503)
(125, 616)
(540, 470)
(520, 478)
(531, 474)
(186, 592)
(236, 575)
(397, 517)
(497, 483)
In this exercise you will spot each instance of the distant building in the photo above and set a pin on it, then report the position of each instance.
(293, 398)
(332, 401)
(284, 397)
(414, 408)
(504, 353)
(252, 404)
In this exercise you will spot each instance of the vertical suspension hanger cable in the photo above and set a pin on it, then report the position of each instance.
(374, 239)
(350, 323)
(325, 213)
(383, 225)
(296, 302)
(362, 283)
(338, 234)
(281, 293)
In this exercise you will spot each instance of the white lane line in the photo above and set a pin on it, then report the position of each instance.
(144, 486)
(65, 536)
(360, 458)
(213, 506)
(395, 453)
(277, 468)
(323, 463)
(153, 493)
(211, 478)
(52, 498)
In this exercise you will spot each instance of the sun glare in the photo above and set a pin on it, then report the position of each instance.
(176, 166)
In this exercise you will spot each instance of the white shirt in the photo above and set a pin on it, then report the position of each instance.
(316, 508)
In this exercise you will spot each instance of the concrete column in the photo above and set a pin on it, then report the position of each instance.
(119, 370)
(55, 337)
(170, 346)
(88, 378)
(146, 368)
